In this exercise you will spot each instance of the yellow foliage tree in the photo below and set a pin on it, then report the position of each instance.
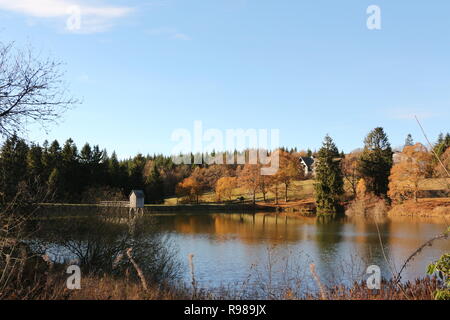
(361, 189)
(350, 171)
(289, 171)
(225, 187)
(249, 179)
(415, 165)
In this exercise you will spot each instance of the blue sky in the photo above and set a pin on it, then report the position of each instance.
(308, 68)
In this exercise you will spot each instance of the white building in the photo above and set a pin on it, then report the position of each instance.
(137, 199)
(308, 165)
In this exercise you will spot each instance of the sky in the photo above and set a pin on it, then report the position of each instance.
(308, 68)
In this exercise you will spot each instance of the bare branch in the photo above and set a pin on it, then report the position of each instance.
(31, 88)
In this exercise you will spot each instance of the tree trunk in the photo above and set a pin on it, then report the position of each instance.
(254, 197)
(286, 193)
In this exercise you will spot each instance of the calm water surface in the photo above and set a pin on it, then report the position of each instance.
(239, 250)
(230, 248)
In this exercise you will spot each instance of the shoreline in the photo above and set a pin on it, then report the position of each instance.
(425, 208)
(301, 208)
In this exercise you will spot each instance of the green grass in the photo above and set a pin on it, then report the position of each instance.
(299, 190)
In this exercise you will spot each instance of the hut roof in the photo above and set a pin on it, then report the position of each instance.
(138, 193)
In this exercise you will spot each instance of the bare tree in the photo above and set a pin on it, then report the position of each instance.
(31, 89)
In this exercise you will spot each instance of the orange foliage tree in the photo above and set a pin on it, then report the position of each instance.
(190, 188)
(274, 186)
(289, 171)
(349, 167)
(249, 178)
(406, 175)
(225, 187)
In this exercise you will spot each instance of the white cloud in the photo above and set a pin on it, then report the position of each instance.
(169, 32)
(93, 18)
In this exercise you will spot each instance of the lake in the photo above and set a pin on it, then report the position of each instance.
(230, 248)
(242, 251)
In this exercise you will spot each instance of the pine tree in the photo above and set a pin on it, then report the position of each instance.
(409, 140)
(154, 187)
(71, 183)
(13, 166)
(442, 144)
(375, 163)
(35, 167)
(329, 182)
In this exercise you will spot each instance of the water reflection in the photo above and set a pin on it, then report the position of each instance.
(98, 245)
(230, 248)
(227, 245)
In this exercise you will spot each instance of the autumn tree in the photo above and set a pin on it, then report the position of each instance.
(190, 188)
(249, 179)
(439, 170)
(349, 165)
(376, 162)
(225, 187)
(329, 182)
(265, 182)
(289, 171)
(274, 186)
(209, 175)
(407, 174)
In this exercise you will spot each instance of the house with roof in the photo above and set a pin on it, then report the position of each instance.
(308, 165)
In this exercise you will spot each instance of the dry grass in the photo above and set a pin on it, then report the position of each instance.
(427, 207)
(421, 289)
(434, 184)
(108, 288)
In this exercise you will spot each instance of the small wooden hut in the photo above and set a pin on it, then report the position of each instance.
(137, 199)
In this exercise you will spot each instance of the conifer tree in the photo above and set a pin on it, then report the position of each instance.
(154, 187)
(375, 162)
(13, 166)
(409, 141)
(329, 181)
(442, 144)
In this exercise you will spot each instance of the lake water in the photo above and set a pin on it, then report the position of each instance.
(231, 249)
(244, 251)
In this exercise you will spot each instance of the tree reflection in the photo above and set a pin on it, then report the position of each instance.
(98, 246)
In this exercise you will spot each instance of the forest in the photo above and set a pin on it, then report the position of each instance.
(90, 174)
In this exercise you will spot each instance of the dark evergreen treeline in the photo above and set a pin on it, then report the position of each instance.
(85, 175)
(89, 174)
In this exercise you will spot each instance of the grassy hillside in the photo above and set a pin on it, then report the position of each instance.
(299, 190)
